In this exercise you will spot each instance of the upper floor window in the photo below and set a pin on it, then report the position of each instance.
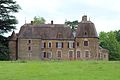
(49, 44)
(43, 44)
(85, 43)
(29, 41)
(59, 44)
(71, 44)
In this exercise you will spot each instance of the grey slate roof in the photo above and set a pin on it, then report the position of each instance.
(45, 31)
(86, 29)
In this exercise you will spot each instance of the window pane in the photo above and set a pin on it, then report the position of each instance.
(49, 45)
(78, 54)
(85, 43)
(59, 45)
(70, 54)
(77, 44)
(86, 54)
(44, 54)
(29, 41)
(59, 54)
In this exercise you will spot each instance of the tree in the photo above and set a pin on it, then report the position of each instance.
(38, 20)
(72, 24)
(117, 35)
(7, 22)
(108, 41)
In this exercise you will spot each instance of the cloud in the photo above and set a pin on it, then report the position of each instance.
(104, 13)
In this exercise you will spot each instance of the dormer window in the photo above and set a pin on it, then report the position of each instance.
(85, 33)
(59, 35)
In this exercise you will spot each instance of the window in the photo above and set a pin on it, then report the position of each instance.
(29, 41)
(78, 54)
(47, 55)
(59, 44)
(59, 54)
(87, 54)
(43, 44)
(71, 44)
(29, 48)
(44, 54)
(49, 44)
(59, 35)
(85, 43)
(70, 54)
(77, 44)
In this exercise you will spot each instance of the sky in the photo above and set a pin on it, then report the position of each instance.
(105, 14)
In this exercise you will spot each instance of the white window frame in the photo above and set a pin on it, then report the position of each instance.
(59, 45)
(71, 44)
(48, 44)
(42, 45)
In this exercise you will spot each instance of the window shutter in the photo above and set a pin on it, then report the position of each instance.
(56, 44)
(62, 44)
(68, 44)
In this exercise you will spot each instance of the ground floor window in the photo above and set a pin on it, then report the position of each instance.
(70, 55)
(47, 55)
(87, 54)
(59, 54)
(78, 54)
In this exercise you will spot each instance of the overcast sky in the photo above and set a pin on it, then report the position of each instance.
(105, 14)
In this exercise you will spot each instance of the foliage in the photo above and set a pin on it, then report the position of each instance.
(7, 19)
(7, 23)
(108, 41)
(62, 70)
(117, 35)
(72, 24)
(38, 20)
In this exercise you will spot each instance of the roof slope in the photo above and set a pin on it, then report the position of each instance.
(86, 29)
(45, 31)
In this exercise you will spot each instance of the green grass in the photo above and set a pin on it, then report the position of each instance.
(60, 70)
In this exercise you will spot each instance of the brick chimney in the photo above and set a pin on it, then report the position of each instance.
(52, 22)
(31, 22)
(84, 18)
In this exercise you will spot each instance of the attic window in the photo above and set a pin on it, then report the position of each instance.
(85, 33)
(59, 35)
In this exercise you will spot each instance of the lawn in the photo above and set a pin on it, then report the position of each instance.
(60, 70)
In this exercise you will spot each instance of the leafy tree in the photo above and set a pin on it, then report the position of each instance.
(7, 23)
(117, 35)
(38, 20)
(72, 24)
(108, 41)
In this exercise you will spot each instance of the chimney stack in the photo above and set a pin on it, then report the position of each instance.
(52, 22)
(31, 22)
(84, 18)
